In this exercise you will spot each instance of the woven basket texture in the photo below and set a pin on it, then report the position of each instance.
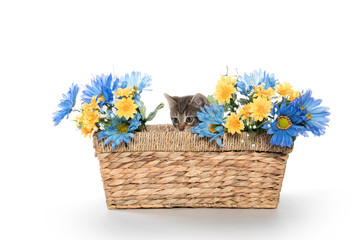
(163, 168)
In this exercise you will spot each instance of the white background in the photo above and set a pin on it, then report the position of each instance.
(50, 181)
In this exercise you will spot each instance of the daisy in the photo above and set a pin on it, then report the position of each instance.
(228, 79)
(287, 125)
(125, 92)
(120, 130)
(233, 123)
(101, 87)
(136, 80)
(245, 112)
(287, 91)
(224, 90)
(211, 120)
(246, 83)
(89, 117)
(126, 108)
(293, 94)
(260, 108)
(261, 92)
(66, 104)
(316, 115)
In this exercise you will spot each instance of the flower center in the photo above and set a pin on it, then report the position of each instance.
(260, 108)
(226, 92)
(134, 91)
(212, 127)
(125, 107)
(308, 115)
(283, 122)
(123, 127)
(101, 98)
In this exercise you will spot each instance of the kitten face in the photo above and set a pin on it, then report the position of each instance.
(183, 110)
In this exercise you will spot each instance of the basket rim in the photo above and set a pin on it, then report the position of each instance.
(163, 138)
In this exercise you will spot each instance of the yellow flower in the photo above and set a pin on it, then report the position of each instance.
(260, 108)
(293, 95)
(125, 92)
(126, 107)
(260, 91)
(233, 124)
(283, 88)
(228, 80)
(224, 89)
(245, 112)
(93, 104)
(87, 130)
(89, 117)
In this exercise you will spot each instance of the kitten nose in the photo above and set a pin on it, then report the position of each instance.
(181, 127)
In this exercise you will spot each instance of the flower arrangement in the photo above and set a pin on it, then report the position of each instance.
(111, 107)
(256, 103)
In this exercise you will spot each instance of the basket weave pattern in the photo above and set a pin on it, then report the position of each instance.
(194, 174)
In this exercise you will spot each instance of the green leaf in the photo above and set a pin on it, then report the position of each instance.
(243, 101)
(153, 113)
(212, 100)
(142, 110)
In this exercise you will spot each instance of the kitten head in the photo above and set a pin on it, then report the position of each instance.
(183, 110)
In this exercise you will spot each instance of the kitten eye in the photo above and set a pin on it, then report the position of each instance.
(175, 120)
(189, 119)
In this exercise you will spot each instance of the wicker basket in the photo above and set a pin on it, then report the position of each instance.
(163, 168)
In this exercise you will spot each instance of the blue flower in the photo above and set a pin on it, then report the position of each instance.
(136, 80)
(120, 130)
(66, 104)
(102, 87)
(287, 125)
(211, 123)
(246, 83)
(316, 120)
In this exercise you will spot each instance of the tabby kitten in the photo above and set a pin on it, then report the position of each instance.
(183, 110)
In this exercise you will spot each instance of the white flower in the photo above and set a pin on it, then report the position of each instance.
(242, 140)
(253, 145)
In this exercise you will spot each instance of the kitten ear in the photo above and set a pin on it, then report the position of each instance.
(170, 100)
(199, 100)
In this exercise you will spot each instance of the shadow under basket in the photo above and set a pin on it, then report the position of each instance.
(163, 168)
